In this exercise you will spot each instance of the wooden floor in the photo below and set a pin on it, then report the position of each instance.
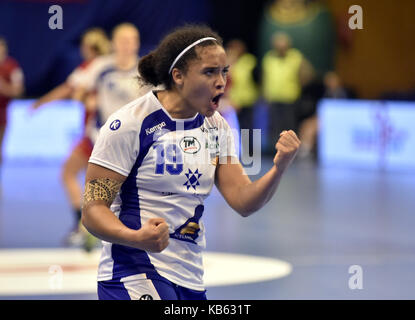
(322, 221)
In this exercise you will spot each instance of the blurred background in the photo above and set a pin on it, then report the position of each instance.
(340, 73)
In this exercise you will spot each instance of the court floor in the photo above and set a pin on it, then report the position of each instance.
(328, 233)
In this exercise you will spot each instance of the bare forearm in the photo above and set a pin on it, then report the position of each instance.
(62, 91)
(246, 197)
(255, 195)
(96, 215)
(101, 187)
(11, 91)
(100, 221)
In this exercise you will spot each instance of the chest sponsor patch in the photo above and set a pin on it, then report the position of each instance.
(190, 145)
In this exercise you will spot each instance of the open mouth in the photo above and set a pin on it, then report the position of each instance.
(215, 100)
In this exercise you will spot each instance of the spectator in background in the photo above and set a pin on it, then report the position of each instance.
(284, 72)
(112, 78)
(243, 90)
(308, 129)
(310, 26)
(333, 86)
(11, 86)
(227, 110)
(94, 43)
(110, 82)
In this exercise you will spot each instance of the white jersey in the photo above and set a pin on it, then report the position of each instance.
(114, 87)
(170, 168)
(78, 76)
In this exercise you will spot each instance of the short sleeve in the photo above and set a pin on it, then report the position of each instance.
(76, 78)
(88, 78)
(226, 140)
(117, 146)
(17, 77)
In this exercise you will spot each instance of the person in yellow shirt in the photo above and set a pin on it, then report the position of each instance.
(243, 90)
(284, 72)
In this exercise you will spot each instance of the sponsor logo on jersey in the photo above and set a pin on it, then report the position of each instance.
(207, 130)
(189, 231)
(115, 125)
(146, 297)
(155, 128)
(190, 145)
(190, 228)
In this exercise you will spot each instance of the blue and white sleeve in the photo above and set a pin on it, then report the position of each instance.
(117, 146)
(226, 140)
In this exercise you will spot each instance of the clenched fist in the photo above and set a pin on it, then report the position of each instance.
(153, 236)
(287, 148)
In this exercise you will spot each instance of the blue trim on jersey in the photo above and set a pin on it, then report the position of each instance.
(189, 237)
(104, 73)
(127, 260)
(98, 118)
(167, 290)
(112, 290)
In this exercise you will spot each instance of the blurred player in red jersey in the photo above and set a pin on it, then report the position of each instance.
(11, 86)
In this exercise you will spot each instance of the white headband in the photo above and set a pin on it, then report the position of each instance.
(187, 49)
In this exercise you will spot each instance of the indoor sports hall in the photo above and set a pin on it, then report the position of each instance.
(339, 73)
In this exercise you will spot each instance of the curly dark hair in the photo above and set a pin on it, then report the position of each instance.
(154, 67)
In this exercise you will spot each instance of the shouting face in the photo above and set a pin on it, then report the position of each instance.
(203, 83)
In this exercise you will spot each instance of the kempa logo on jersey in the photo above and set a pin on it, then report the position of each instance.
(156, 127)
(115, 125)
(190, 145)
(207, 130)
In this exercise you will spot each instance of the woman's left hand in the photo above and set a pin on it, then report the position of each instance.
(287, 147)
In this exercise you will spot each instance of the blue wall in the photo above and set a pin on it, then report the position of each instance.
(48, 56)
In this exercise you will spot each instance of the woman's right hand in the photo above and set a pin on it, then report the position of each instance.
(153, 236)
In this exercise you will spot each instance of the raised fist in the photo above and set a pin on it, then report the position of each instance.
(287, 148)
